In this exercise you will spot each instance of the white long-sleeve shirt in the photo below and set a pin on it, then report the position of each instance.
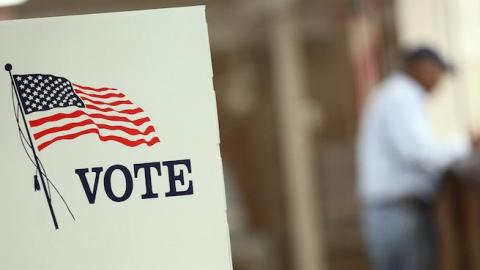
(398, 154)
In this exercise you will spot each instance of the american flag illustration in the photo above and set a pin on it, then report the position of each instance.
(59, 109)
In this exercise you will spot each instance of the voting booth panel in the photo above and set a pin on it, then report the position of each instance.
(110, 146)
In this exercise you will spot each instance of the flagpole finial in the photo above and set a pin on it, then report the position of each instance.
(8, 67)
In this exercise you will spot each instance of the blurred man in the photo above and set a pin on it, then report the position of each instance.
(400, 162)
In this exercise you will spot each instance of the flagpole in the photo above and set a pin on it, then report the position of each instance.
(8, 67)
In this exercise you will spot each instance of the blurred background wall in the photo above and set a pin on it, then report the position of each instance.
(450, 26)
(291, 78)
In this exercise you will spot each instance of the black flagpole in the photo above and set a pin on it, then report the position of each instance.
(8, 67)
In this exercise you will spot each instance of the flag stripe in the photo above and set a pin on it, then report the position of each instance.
(114, 103)
(121, 140)
(78, 113)
(86, 122)
(101, 89)
(108, 109)
(108, 95)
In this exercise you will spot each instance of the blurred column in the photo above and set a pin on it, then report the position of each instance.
(466, 34)
(295, 128)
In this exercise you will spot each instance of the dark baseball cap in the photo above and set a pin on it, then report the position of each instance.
(420, 53)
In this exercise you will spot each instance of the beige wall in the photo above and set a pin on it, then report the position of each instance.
(452, 27)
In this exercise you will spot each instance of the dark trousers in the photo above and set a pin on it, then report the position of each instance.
(400, 236)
